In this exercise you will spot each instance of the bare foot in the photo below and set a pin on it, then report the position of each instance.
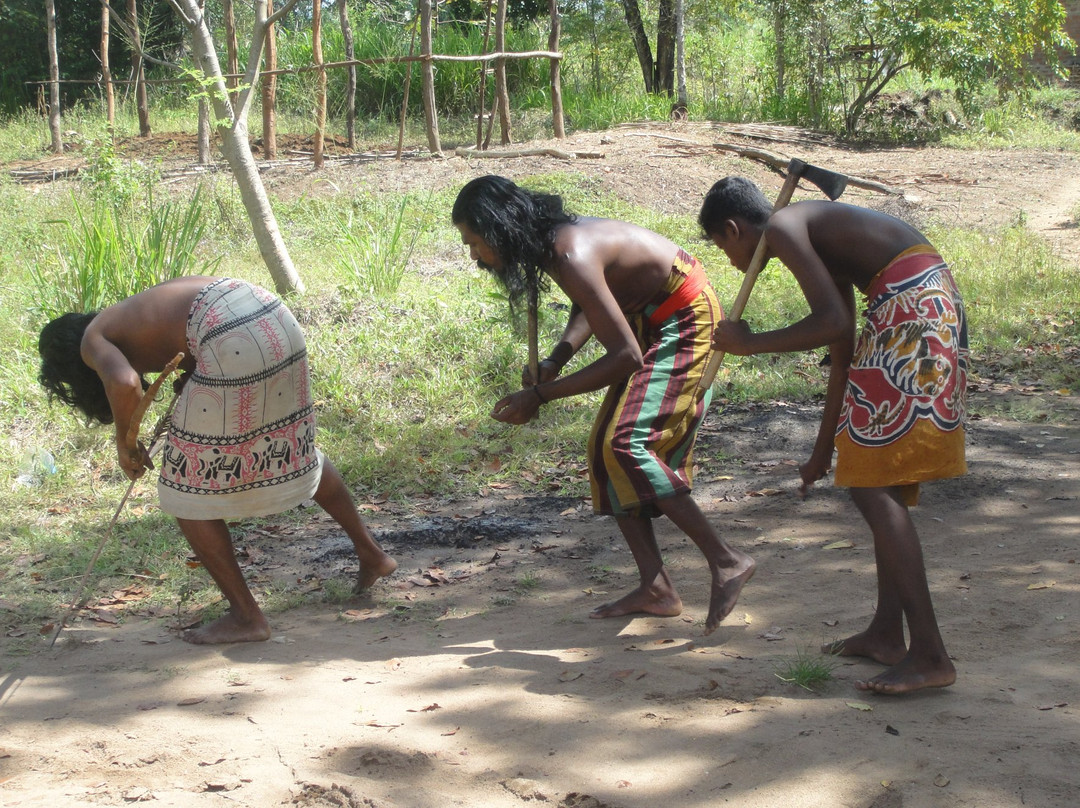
(228, 629)
(871, 646)
(909, 675)
(726, 586)
(370, 573)
(642, 600)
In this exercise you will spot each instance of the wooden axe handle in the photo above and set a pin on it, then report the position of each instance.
(534, 340)
(757, 263)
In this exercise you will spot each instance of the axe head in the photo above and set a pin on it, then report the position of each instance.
(830, 183)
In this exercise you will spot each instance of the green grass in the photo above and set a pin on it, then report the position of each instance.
(807, 669)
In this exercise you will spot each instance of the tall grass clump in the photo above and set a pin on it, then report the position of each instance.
(106, 253)
(377, 246)
(1015, 287)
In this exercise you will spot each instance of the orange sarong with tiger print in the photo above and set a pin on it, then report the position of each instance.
(903, 414)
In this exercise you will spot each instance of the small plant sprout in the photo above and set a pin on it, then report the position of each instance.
(806, 669)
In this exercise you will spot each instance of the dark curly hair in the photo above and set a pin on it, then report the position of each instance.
(733, 197)
(516, 223)
(64, 374)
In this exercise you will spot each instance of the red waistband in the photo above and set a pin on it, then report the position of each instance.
(683, 295)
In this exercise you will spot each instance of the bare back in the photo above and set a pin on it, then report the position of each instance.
(150, 328)
(635, 262)
(854, 243)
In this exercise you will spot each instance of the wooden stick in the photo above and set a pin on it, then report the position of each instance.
(534, 338)
(155, 443)
(132, 439)
(757, 262)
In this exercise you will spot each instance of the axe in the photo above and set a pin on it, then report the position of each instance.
(832, 184)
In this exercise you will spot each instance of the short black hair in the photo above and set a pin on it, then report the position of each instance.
(730, 198)
(516, 223)
(64, 374)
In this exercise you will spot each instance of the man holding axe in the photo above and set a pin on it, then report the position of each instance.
(650, 306)
(894, 406)
(241, 439)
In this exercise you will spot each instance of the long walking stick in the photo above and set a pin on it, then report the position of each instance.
(132, 446)
(833, 185)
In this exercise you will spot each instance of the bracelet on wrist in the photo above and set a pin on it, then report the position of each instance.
(539, 395)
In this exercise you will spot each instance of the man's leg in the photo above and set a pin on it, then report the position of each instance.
(333, 497)
(213, 547)
(655, 594)
(900, 562)
(883, 639)
(730, 569)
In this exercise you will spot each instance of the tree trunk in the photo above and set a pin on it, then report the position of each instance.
(320, 92)
(502, 95)
(481, 104)
(641, 42)
(681, 100)
(431, 118)
(141, 103)
(233, 130)
(232, 56)
(106, 73)
(780, 12)
(350, 73)
(269, 91)
(54, 79)
(557, 124)
(204, 133)
(665, 49)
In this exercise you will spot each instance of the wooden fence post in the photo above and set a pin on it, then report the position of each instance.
(556, 71)
(431, 117)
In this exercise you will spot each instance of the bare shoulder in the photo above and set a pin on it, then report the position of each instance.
(150, 327)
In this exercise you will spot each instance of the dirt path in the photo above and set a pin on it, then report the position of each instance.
(488, 686)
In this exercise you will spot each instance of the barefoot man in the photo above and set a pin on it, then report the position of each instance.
(649, 305)
(894, 407)
(241, 441)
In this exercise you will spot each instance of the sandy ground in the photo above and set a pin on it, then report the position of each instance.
(487, 685)
(474, 677)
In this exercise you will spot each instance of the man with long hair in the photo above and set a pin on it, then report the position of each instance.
(650, 306)
(241, 439)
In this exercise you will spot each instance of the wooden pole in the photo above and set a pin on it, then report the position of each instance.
(269, 90)
(431, 117)
(481, 106)
(405, 99)
(557, 123)
(320, 93)
(106, 73)
(501, 93)
(350, 74)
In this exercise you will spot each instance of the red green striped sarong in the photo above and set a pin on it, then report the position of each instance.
(642, 441)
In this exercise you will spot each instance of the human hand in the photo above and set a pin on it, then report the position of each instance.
(517, 408)
(733, 337)
(547, 371)
(133, 462)
(811, 471)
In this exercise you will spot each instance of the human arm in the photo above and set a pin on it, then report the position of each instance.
(580, 272)
(840, 354)
(788, 240)
(575, 334)
(123, 387)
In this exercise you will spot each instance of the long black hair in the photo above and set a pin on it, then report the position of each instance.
(733, 197)
(516, 223)
(64, 374)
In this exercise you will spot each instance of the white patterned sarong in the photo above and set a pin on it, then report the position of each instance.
(242, 438)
